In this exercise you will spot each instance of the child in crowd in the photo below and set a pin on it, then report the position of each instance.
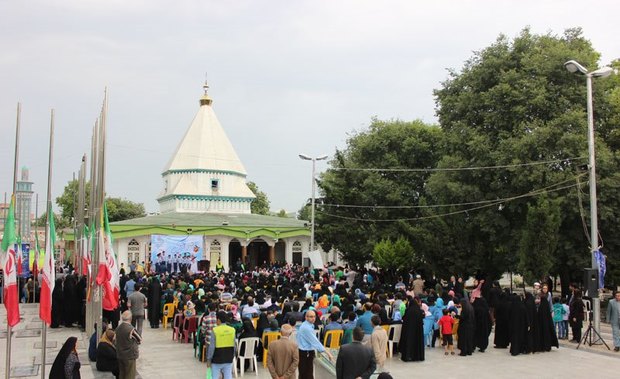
(565, 317)
(558, 316)
(445, 327)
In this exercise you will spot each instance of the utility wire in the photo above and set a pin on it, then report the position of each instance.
(439, 205)
(455, 168)
(496, 202)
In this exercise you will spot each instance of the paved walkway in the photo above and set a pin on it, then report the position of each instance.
(160, 357)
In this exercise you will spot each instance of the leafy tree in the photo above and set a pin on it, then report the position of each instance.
(59, 222)
(304, 213)
(260, 205)
(118, 209)
(350, 216)
(539, 239)
(393, 256)
(512, 103)
(123, 209)
(282, 213)
(68, 199)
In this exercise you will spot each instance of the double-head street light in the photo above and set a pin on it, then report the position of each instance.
(307, 158)
(576, 68)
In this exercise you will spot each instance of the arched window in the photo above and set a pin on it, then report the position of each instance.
(297, 252)
(133, 252)
(216, 253)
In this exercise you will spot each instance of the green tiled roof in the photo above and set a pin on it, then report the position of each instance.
(213, 219)
(232, 225)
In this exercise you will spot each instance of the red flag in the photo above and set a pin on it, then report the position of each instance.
(48, 275)
(11, 299)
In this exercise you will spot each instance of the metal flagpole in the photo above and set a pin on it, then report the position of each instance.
(90, 318)
(34, 245)
(9, 331)
(47, 228)
(80, 217)
(100, 194)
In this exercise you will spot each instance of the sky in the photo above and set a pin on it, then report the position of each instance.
(287, 77)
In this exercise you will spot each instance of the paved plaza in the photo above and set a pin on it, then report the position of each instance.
(160, 357)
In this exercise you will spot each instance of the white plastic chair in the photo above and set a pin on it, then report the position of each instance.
(393, 337)
(250, 344)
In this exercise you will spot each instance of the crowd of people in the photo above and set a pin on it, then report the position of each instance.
(303, 304)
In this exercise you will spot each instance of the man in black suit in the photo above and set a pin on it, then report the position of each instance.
(355, 360)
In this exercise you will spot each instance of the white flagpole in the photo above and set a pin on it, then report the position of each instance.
(47, 231)
(9, 331)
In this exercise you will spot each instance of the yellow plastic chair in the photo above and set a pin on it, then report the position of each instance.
(268, 337)
(168, 314)
(334, 337)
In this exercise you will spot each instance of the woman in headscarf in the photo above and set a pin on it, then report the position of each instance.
(57, 304)
(532, 335)
(546, 329)
(518, 327)
(483, 325)
(502, 321)
(106, 353)
(429, 321)
(436, 309)
(323, 304)
(466, 328)
(154, 302)
(411, 344)
(70, 308)
(67, 364)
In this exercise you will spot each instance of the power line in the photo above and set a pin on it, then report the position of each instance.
(494, 203)
(436, 205)
(472, 168)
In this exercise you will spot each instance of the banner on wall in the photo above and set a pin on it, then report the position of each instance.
(25, 261)
(176, 253)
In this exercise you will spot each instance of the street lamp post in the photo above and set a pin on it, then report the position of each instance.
(307, 158)
(576, 68)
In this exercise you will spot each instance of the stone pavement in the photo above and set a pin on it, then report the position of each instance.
(160, 357)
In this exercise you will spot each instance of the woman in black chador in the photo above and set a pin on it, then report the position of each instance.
(411, 344)
(482, 328)
(57, 304)
(70, 308)
(502, 322)
(518, 325)
(532, 335)
(154, 301)
(466, 328)
(546, 329)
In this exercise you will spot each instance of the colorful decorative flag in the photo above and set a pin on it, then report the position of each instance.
(85, 251)
(31, 258)
(20, 254)
(108, 275)
(48, 275)
(40, 256)
(11, 299)
(602, 267)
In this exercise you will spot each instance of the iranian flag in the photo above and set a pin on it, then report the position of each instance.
(86, 251)
(11, 300)
(108, 275)
(48, 275)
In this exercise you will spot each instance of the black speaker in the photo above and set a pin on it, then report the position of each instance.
(590, 282)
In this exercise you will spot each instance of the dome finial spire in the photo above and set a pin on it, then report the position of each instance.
(205, 99)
